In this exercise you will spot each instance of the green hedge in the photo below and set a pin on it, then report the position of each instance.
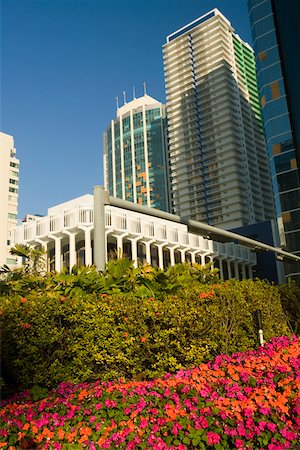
(51, 338)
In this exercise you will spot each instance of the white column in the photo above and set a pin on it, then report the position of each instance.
(160, 255)
(119, 245)
(148, 250)
(57, 254)
(229, 270)
(72, 249)
(236, 271)
(182, 254)
(193, 257)
(221, 269)
(250, 271)
(211, 258)
(88, 247)
(244, 271)
(172, 256)
(202, 259)
(134, 253)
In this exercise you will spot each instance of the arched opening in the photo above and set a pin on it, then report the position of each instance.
(166, 257)
(177, 257)
(154, 255)
(141, 252)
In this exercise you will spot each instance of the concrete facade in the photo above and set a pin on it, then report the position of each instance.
(67, 233)
(9, 188)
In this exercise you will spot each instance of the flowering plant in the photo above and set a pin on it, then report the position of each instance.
(248, 400)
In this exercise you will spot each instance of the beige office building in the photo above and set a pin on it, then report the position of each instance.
(217, 152)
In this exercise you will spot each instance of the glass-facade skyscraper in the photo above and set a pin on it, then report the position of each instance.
(217, 153)
(135, 155)
(276, 38)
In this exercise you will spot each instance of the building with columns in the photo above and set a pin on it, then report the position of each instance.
(67, 232)
(9, 188)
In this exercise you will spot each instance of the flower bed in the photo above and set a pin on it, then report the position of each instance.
(248, 400)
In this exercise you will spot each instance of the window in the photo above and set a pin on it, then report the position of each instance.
(14, 190)
(13, 181)
(275, 91)
(11, 261)
(262, 56)
(12, 216)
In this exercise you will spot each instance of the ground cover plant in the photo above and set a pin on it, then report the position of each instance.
(248, 400)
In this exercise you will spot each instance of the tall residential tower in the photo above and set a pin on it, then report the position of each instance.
(217, 153)
(135, 158)
(276, 37)
(9, 181)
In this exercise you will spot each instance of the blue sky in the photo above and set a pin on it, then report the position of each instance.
(63, 62)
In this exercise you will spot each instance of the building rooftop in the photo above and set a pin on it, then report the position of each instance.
(137, 103)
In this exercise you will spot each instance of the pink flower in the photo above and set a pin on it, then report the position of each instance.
(212, 438)
(143, 423)
(238, 443)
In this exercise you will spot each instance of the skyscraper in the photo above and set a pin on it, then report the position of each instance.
(135, 159)
(9, 181)
(276, 38)
(217, 154)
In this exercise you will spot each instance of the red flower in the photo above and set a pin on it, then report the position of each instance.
(23, 300)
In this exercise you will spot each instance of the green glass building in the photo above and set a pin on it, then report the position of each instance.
(276, 39)
(135, 154)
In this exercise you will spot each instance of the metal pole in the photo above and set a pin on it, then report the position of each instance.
(260, 328)
(99, 227)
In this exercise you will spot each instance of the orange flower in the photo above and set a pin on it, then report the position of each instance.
(125, 334)
(60, 433)
(23, 300)
(86, 431)
(26, 426)
(143, 339)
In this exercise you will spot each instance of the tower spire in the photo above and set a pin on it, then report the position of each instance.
(117, 101)
(145, 88)
(124, 96)
(133, 89)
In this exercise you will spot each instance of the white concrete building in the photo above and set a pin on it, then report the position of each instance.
(217, 153)
(9, 186)
(67, 232)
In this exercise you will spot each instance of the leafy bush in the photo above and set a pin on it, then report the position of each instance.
(49, 338)
(290, 300)
(247, 401)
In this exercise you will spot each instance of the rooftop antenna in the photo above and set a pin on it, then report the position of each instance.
(133, 92)
(124, 95)
(117, 100)
(145, 91)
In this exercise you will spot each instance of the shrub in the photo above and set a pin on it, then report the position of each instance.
(51, 338)
(290, 300)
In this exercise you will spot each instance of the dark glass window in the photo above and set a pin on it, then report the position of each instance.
(288, 180)
(290, 200)
(293, 241)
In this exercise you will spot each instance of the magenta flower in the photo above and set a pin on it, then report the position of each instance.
(212, 438)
